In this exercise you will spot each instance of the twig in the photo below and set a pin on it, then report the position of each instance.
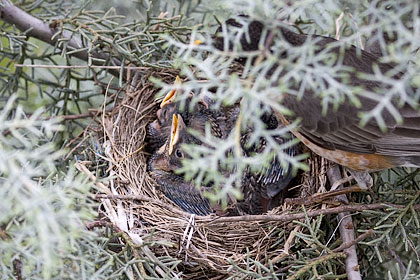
(74, 148)
(397, 259)
(17, 267)
(95, 224)
(287, 245)
(341, 182)
(92, 112)
(314, 263)
(134, 248)
(92, 177)
(143, 198)
(36, 28)
(133, 153)
(336, 253)
(287, 217)
(336, 250)
(145, 249)
(3, 235)
(346, 230)
(354, 242)
(320, 197)
(338, 25)
(75, 117)
(81, 66)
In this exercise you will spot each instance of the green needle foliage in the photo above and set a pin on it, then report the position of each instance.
(42, 209)
(46, 204)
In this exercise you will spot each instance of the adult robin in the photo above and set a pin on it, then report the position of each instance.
(336, 133)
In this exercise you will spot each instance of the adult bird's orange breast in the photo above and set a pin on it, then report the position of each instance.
(354, 161)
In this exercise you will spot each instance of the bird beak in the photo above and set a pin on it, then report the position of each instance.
(174, 132)
(176, 127)
(170, 97)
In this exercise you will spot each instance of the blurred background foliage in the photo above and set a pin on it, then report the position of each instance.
(46, 203)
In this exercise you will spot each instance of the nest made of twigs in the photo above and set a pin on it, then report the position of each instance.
(207, 244)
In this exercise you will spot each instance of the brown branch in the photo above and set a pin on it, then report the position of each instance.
(76, 116)
(92, 177)
(128, 241)
(316, 262)
(95, 224)
(48, 66)
(346, 229)
(3, 235)
(336, 253)
(287, 217)
(320, 197)
(343, 246)
(143, 198)
(397, 259)
(138, 197)
(354, 241)
(38, 29)
(134, 247)
(92, 112)
(17, 267)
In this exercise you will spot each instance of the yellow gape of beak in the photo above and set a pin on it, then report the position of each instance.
(174, 132)
(170, 97)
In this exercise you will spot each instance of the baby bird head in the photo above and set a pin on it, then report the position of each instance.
(169, 157)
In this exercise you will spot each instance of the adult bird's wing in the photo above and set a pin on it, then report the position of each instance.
(341, 129)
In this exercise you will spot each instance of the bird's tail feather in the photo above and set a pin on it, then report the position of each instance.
(412, 161)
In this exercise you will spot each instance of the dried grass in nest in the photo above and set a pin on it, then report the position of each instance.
(213, 245)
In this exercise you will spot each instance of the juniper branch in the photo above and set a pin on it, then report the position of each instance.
(346, 229)
(313, 213)
(34, 27)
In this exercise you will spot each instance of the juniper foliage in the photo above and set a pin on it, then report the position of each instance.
(45, 201)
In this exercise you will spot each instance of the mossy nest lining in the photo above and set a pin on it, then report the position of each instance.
(138, 207)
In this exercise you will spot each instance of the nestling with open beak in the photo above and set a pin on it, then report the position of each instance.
(158, 131)
(259, 188)
(167, 160)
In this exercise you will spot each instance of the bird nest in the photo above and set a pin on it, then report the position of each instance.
(209, 245)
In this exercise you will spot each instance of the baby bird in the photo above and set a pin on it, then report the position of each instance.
(183, 193)
(258, 188)
(270, 181)
(166, 160)
(168, 157)
(194, 116)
